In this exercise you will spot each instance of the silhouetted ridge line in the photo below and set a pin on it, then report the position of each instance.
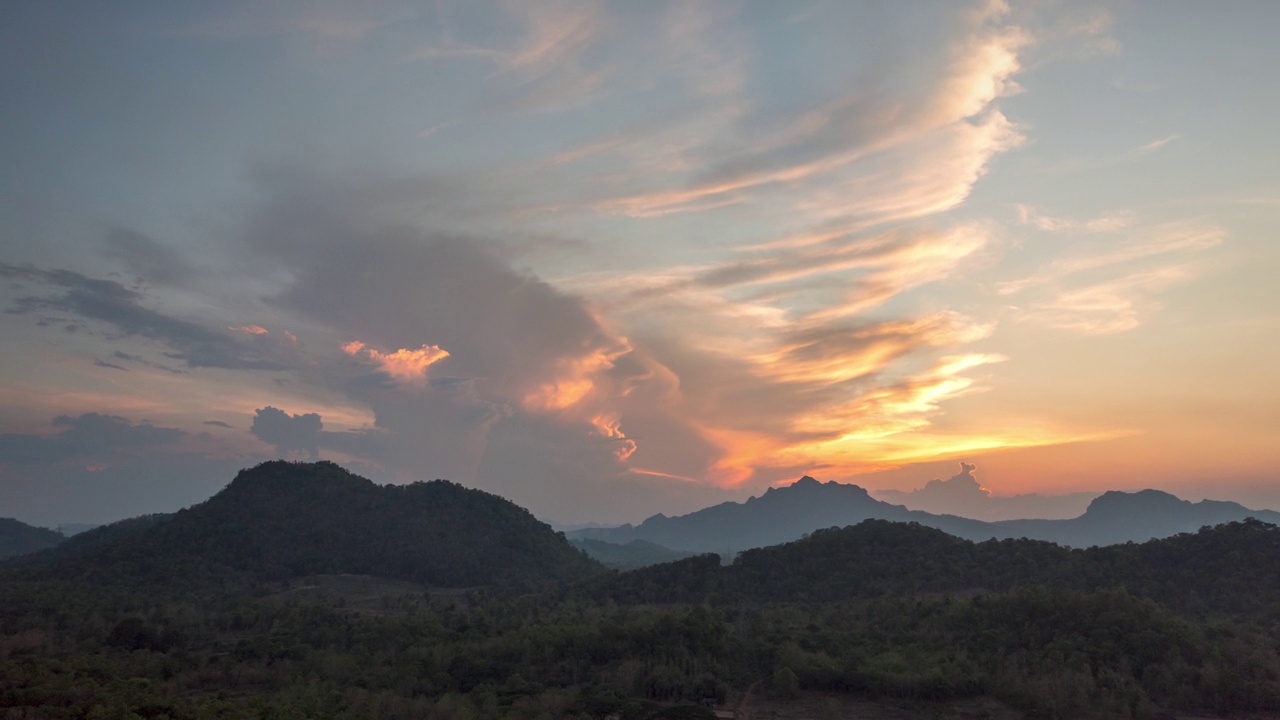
(281, 520)
(783, 514)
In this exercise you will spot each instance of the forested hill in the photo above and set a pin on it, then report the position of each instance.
(281, 520)
(19, 538)
(1230, 568)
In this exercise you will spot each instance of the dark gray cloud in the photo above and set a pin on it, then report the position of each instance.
(398, 287)
(305, 433)
(287, 432)
(128, 357)
(122, 308)
(511, 338)
(147, 258)
(91, 436)
(111, 366)
(219, 423)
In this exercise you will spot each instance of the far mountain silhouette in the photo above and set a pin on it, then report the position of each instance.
(789, 513)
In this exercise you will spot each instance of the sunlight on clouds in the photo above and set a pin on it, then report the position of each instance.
(911, 264)
(609, 426)
(586, 390)
(1107, 307)
(406, 366)
(883, 428)
(575, 378)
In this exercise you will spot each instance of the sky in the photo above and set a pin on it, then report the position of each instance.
(613, 259)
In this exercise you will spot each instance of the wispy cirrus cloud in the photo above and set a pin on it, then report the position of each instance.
(847, 144)
(1107, 280)
(537, 58)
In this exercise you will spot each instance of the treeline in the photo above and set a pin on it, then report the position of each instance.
(1228, 569)
(1050, 654)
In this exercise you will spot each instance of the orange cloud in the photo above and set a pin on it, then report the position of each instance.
(249, 329)
(875, 429)
(575, 379)
(609, 426)
(407, 366)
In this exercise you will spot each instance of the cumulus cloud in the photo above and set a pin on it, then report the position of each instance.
(503, 349)
(404, 365)
(288, 433)
(962, 494)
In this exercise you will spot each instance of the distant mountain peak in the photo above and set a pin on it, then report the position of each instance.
(1114, 501)
(806, 480)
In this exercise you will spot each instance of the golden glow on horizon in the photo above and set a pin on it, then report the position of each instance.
(882, 428)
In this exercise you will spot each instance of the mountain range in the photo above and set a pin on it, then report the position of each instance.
(788, 513)
(285, 519)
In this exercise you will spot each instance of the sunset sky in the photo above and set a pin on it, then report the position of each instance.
(608, 260)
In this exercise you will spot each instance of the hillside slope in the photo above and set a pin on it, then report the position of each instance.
(18, 538)
(281, 520)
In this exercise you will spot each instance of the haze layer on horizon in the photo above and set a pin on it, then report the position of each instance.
(609, 259)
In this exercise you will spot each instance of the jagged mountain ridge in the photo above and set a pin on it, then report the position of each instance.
(779, 515)
(788, 513)
(283, 520)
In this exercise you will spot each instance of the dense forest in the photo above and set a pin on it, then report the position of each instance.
(301, 591)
